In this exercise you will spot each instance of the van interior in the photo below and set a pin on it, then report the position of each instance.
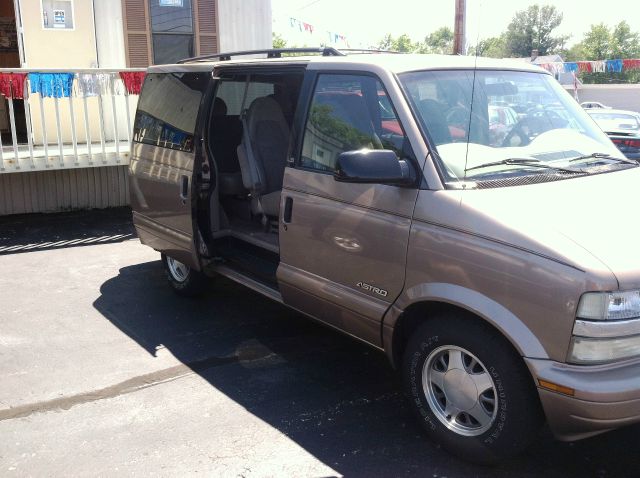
(248, 141)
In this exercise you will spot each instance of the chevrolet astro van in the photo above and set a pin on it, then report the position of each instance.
(495, 266)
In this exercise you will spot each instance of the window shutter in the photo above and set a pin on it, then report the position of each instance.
(137, 34)
(205, 13)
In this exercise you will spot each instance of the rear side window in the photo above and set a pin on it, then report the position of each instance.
(168, 109)
(349, 112)
(232, 91)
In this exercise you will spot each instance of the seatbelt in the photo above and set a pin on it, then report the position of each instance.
(253, 165)
(248, 147)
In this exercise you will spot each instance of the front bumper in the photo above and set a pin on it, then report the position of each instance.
(606, 396)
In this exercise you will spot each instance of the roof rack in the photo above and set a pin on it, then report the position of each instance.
(271, 53)
(368, 50)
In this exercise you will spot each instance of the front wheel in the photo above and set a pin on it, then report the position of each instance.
(470, 390)
(182, 279)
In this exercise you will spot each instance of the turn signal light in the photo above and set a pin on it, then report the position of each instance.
(557, 388)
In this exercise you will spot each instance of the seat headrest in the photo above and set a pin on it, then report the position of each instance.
(219, 107)
(266, 109)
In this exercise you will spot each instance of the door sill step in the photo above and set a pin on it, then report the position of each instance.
(247, 281)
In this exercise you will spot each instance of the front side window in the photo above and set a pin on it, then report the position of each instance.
(172, 30)
(503, 126)
(347, 113)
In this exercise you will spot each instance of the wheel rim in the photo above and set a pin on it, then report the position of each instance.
(460, 391)
(177, 269)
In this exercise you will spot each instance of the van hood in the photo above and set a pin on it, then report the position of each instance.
(590, 223)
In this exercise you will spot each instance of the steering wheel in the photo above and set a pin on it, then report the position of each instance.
(526, 129)
(457, 115)
(517, 130)
(477, 131)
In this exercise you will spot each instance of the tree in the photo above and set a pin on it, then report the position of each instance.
(532, 29)
(597, 43)
(403, 43)
(604, 43)
(439, 41)
(493, 47)
(278, 41)
(575, 53)
(626, 44)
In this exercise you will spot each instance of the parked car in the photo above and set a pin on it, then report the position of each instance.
(623, 127)
(480, 265)
(501, 120)
(593, 104)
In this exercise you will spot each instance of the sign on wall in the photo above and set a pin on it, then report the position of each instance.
(57, 14)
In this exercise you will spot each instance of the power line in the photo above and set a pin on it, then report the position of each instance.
(308, 5)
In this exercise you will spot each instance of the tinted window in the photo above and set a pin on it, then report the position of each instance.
(172, 30)
(168, 109)
(349, 112)
(232, 91)
(172, 16)
(171, 48)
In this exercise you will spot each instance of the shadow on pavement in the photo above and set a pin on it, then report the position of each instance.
(336, 398)
(37, 232)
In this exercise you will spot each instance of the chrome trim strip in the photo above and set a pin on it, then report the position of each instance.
(606, 328)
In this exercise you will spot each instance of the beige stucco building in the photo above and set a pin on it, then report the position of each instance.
(105, 34)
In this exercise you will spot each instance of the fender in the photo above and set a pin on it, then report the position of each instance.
(514, 330)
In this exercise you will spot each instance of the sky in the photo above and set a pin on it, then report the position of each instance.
(364, 22)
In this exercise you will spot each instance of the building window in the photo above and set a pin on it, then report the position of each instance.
(172, 30)
(57, 14)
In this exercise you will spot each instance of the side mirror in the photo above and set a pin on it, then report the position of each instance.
(379, 166)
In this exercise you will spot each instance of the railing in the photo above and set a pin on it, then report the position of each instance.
(75, 131)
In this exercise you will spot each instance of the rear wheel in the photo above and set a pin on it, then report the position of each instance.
(182, 279)
(470, 390)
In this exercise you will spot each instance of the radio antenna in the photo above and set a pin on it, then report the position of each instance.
(473, 88)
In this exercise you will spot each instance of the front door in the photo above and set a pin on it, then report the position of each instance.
(163, 153)
(343, 246)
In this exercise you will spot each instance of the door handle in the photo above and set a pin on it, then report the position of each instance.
(184, 188)
(288, 209)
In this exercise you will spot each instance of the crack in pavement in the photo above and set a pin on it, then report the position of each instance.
(133, 384)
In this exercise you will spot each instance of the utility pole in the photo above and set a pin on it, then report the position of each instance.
(459, 27)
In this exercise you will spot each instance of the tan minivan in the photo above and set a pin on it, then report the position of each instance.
(463, 215)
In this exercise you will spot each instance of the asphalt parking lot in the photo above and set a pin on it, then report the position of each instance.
(105, 372)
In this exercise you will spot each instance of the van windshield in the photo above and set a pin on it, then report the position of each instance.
(508, 126)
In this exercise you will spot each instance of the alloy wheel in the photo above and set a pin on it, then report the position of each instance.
(460, 391)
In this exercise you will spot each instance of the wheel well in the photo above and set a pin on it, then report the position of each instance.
(418, 313)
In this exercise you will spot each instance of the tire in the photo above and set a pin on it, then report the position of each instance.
(488, 407)
(183, 280)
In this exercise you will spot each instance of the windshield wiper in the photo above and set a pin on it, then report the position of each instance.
(603, 156)
(534, 163)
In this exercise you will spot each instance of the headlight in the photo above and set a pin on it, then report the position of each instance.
(607, 327)
(609, 305)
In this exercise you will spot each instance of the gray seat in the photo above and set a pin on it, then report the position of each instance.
(262, 154)
(226, 134)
